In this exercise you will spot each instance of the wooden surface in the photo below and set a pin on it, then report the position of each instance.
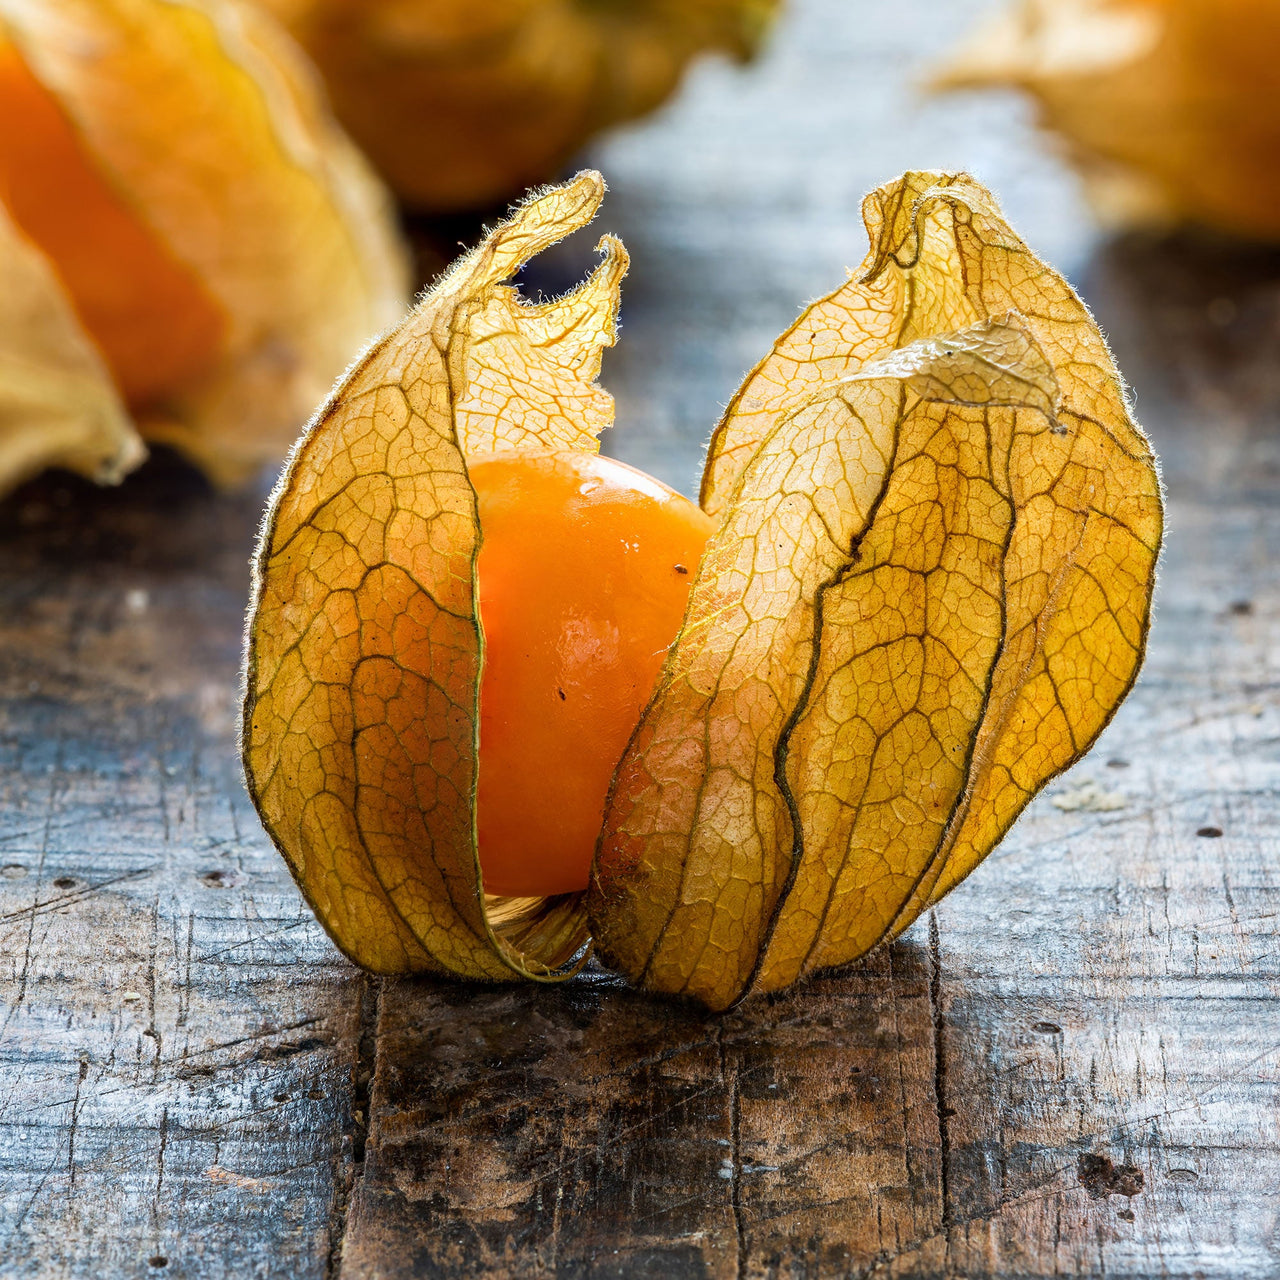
(1072, 1067)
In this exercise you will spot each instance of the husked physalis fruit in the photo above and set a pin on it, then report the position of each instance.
(461, 103)
(1169, 108)
(584, 573)
(934, 529)
(204, 249)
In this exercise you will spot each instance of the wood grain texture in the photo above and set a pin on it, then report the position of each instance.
(178, 1041)
(1093, 1014)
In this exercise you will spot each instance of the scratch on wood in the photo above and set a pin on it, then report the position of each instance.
(940, 1071)
(164, 1142)
(65, 900)
(75, 1120)
(25, 969)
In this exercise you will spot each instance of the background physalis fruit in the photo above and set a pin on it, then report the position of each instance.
(190, 245)
(927, 592)
(1169, 108)
(461, 103)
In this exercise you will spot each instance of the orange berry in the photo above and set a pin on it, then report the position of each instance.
(584, 572)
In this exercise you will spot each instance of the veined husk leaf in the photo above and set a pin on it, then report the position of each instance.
(1169, 108)
(461, 103)
(204, 117)
(58, 405)
(927, 595)
(364, 647)
(928, 592)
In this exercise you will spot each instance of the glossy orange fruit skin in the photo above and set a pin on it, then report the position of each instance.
(148, 313)
(584, 572)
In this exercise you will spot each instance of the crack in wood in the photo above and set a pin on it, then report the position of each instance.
(944, 1113)
(352, 1156)
(735, 1150)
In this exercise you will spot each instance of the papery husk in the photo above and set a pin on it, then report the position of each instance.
(927, 594)
(929, 591)
(361, 724)
(461, 103)
(204, 117)
(1170, 109)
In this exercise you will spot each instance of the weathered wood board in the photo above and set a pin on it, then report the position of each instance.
(177, 1039)
(1071, 1068)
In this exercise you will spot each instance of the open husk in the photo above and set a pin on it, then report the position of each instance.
(200, 120)
(927, 594)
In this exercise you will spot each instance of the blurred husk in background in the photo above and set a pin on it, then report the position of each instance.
(191, 249)
(1170, 109)
(464, 103)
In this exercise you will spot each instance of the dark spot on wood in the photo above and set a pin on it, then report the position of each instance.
(1210, 832)
(219, 879)
(1184, 1175)
(158, 1260)
(1241, 608)
(1047, 1028)
(1117, 763)
(1101, 1177)
(65, 882)
(1125, 1215)
(316, 1095)
(280, 1097)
